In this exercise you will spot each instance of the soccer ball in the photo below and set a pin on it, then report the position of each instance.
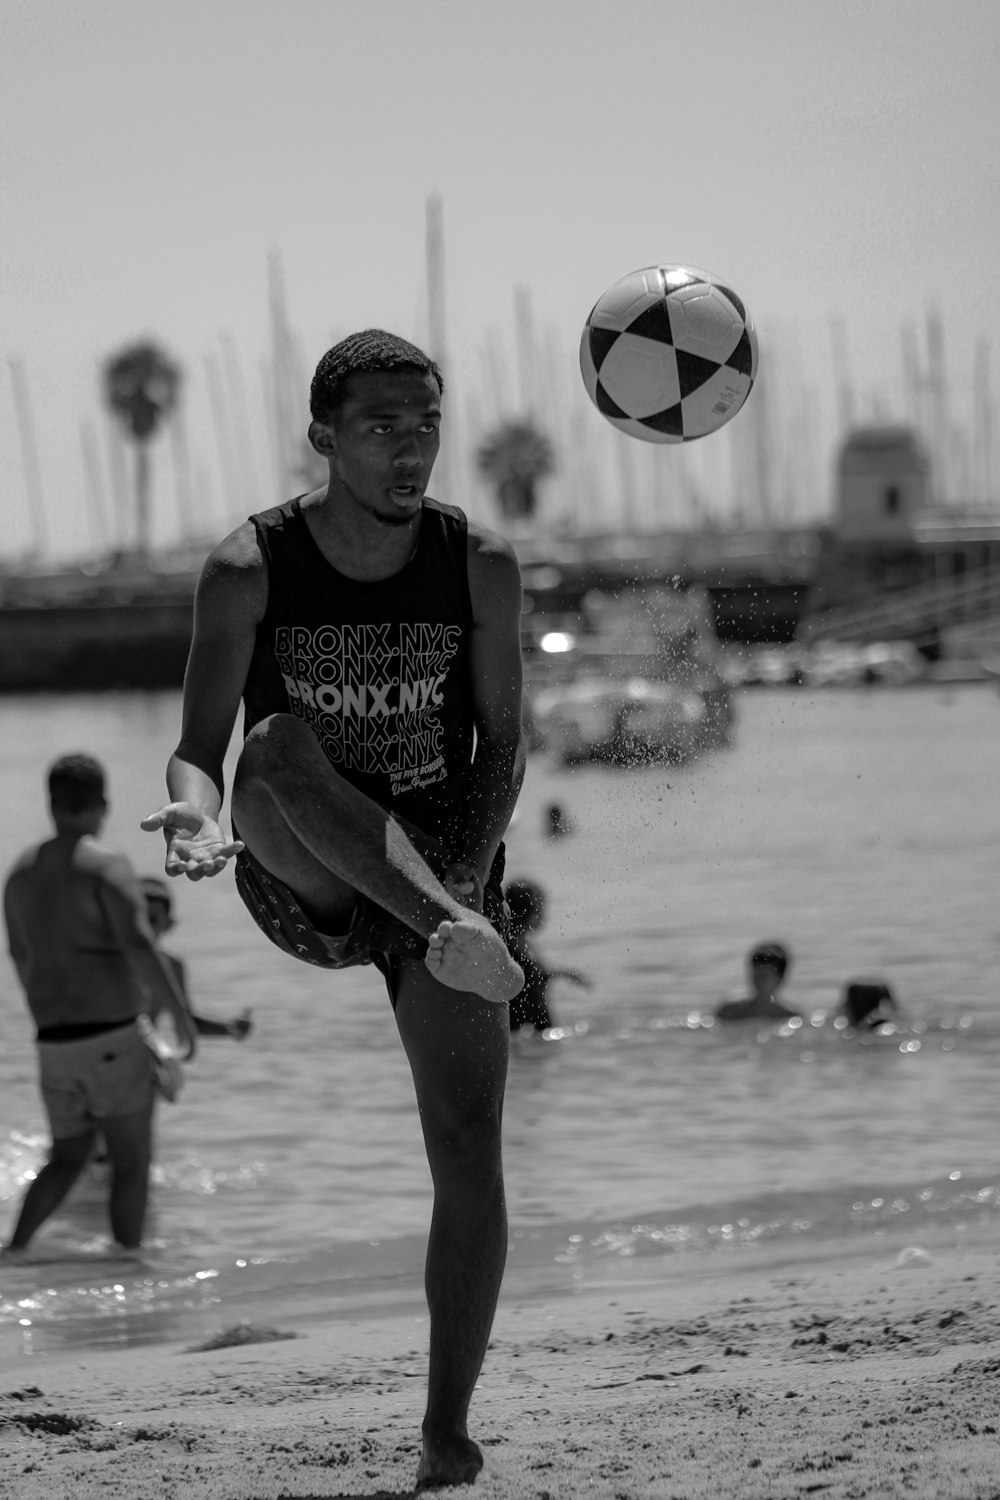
(668, 354)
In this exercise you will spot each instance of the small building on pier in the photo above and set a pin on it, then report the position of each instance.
(893, 562)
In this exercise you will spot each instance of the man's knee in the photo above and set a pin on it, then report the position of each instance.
(271, 744)
(276, 748)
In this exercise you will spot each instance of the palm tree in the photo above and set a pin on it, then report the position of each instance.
(140, 386)
(514, 458)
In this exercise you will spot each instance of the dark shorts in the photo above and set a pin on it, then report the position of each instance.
(93, 1079)
(374, 936)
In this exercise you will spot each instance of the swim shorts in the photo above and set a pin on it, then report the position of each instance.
(374, 935)
(94, 1079)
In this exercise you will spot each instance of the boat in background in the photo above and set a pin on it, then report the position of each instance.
(634, 677)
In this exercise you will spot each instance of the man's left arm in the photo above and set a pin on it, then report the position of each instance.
(495, 673)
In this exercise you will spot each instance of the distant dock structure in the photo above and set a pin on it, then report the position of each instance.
(894, 563)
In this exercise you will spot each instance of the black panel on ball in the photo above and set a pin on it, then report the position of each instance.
(670, 421)
(742, 356)
(605, 404)
(654, 323)
(693, 371)
(602, 341)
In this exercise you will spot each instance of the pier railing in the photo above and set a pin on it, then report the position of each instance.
(916, 614)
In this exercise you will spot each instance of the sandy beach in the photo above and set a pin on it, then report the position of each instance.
(876, 1374)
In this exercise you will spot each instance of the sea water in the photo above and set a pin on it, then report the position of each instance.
(859, 827)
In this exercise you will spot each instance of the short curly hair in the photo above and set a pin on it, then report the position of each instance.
(76, 784)
(371, 351)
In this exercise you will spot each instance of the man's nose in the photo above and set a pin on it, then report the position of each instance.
(408, 455)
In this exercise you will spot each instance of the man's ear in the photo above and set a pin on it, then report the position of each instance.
(322, 439)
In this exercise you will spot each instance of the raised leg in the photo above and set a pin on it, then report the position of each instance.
(327, 841)
(457, 1046)
(129, 1141)
(67, 1159)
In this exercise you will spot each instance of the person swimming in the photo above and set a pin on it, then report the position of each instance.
(160, 913)
(868, 1004)
(557, 821)
(767, 966)
(528, 909)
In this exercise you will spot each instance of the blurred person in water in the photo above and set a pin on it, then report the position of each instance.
(526, 900)
(160, 912)
(87, 958)
(767, 968)
(868, 1004)
(558, 824)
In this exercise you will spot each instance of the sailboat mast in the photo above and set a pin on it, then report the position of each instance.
(282, 364)
(438, 336)
(939, 415)
(29, 456)
(984, 426)
(527, 357)
(93, 485)
(842, 374)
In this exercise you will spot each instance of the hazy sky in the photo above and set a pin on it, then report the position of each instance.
(830, 159)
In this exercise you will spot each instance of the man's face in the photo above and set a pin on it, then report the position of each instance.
(384, 441)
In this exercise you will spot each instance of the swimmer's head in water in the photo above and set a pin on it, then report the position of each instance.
(159, 902)
(526, 900)
(770, 956)
(76, 784)
(863, 997)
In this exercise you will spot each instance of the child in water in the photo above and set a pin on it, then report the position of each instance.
(527, 914)
(767, 966)
(159, 910)
(868, 1004)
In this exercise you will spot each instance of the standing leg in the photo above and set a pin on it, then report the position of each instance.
(457, 1046)
(130, 1147)
(67, 1159)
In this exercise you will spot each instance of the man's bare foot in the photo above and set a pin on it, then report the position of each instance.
(469, 954)
(444, 1461)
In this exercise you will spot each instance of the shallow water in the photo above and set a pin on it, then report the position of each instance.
(860, 828)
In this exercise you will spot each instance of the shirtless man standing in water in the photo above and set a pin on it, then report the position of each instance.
(87, 959)
(374, 638)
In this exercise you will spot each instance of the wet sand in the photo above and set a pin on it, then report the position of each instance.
(851, 1378)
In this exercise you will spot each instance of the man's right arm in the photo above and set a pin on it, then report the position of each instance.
(230, 602)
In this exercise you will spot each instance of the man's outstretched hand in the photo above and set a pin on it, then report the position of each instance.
(196, 846)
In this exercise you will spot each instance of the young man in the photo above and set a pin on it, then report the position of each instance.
(85, 954)
(374, 638)
(767, 965)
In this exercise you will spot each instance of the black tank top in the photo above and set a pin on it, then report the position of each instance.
(379, 670)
